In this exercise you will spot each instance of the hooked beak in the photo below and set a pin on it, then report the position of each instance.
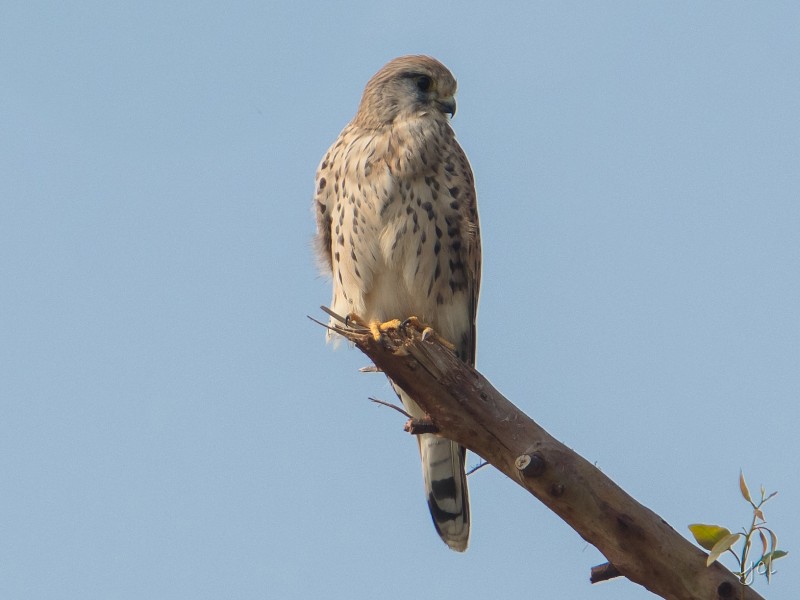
(447, 105)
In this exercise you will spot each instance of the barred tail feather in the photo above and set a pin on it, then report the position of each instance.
(446, 488)
(445, 482)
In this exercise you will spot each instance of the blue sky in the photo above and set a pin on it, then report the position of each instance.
(174, 427)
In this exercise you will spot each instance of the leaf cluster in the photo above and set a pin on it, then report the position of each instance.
(718, 540)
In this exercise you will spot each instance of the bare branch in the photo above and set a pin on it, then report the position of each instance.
(465, 408)
(604, 572)
(390, 405)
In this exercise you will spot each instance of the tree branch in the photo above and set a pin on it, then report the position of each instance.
(465, 408)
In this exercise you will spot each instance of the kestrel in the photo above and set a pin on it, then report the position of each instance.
(397, 227)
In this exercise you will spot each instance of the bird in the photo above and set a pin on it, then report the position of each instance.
(398, 232)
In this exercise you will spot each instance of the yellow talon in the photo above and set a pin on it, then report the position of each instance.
(377, 328)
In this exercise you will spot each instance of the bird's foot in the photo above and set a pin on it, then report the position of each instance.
(426, 331)
(378, 328)
(375, 327)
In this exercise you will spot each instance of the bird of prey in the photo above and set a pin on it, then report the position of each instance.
(397, 228)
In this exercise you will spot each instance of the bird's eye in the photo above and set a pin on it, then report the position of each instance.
(424, 83)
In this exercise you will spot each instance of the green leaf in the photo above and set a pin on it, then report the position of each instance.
(743, 487)
(708, 535)
(721, 546)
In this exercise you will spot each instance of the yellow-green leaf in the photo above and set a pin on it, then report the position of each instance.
(743, 487)
(708, 535)
(721, 546)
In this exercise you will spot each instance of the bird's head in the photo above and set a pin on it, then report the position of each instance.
(407, 87)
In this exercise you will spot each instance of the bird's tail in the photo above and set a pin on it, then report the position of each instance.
(446, 488)
(445, 482)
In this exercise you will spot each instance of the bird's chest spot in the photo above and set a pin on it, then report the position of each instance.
(421, 242)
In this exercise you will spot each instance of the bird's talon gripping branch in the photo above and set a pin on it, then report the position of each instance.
(426, 331)
(353, 319)
(413, 322)
(377, 328)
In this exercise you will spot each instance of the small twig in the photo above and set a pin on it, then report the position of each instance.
(413, 426)
(476, 467)
(370, 369)
(325, 325)
(394, 406)
(603, 572)
(349, 323)
(336, 316)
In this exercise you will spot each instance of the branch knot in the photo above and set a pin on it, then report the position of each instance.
(530, 465)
